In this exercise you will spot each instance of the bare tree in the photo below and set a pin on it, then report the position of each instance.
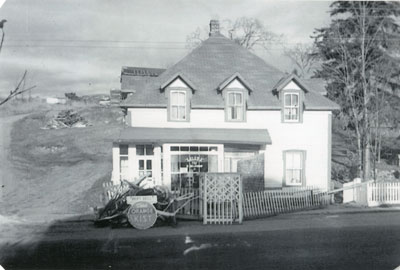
(303, 58)
(20, 88)
(247, 32)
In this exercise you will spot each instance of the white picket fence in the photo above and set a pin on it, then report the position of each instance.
(272, 202)
(372, 193)
(383, 193)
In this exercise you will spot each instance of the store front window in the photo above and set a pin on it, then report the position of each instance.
(187, 162)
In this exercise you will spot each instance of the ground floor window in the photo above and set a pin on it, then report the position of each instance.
(294, 163)
(146, 167)
(145, 157)
(188, 161)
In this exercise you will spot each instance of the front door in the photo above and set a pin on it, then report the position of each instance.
(187, 162)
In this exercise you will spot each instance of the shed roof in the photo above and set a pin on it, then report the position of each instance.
(195, 135)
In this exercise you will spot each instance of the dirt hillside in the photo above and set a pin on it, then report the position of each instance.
(59, 171)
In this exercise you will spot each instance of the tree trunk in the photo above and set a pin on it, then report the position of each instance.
(360, 155)
(367, 160)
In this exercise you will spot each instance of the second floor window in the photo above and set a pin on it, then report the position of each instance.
(178, 105)
(291, 107)
(235, 106)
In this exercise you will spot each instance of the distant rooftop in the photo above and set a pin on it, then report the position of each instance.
(141, 71)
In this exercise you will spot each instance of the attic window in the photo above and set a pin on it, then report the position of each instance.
(178, 106)
(291, 107)
(235, 106)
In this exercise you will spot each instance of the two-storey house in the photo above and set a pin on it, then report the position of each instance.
(218, 105)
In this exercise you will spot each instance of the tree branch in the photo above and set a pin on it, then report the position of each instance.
(17, 91)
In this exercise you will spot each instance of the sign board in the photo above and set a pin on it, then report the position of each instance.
(142, 215)
(148, 198)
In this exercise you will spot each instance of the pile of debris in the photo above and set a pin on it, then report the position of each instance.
(66, 119)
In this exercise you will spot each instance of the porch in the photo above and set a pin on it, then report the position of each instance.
(175, 157)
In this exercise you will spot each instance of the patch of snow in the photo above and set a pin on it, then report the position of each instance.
(9, 220)
(196, 248)
(188, 240)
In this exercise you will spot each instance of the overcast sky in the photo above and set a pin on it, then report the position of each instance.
(80, 45)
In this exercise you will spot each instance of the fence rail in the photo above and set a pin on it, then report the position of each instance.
(273, 202)
(226, 203)
(194, 209)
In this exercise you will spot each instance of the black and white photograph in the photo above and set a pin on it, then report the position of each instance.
(199, 134)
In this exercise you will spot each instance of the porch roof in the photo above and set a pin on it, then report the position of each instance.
(195, 135)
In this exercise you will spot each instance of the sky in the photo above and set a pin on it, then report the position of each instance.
(80, 45)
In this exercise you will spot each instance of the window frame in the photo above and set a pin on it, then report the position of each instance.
(145, 158)
(303, 167)
(299, 106)
(228, 116)
(186, 106)
(124, 157)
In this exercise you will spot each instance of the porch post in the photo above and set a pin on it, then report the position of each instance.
(166, 166)
(157, 165)
(115, 176)
(263, 150)
(221, 158)
(133, 163)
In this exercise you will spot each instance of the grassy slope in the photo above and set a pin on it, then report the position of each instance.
(61, 171)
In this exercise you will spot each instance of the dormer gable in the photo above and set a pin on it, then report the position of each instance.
(235, 91)
(291, 92)
(178, 80)
(290, 82)
(235, 81)
(178, 91)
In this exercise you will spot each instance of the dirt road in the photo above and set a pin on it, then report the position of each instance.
(342, 241)
(7, 174)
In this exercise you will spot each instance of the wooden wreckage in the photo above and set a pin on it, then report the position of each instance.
(141, 207)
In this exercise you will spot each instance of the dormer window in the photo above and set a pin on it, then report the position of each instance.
(178, 105)
(291, 107)
(235, 109)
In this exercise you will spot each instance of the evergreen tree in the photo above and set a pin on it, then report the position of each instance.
(359, 61)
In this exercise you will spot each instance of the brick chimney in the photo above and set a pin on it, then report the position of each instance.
(214, 28)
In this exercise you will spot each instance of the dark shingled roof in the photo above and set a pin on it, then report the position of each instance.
(208, 66)
(316, 84)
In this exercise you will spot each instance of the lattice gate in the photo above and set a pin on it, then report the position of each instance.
(222, 198)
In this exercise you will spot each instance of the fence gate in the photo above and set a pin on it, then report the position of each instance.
(222, 198)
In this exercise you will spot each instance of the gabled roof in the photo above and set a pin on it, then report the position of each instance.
(181, 76)
(233, 77)
(210, 66)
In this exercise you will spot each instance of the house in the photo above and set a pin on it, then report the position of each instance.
(218, 105)
(56, 100)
